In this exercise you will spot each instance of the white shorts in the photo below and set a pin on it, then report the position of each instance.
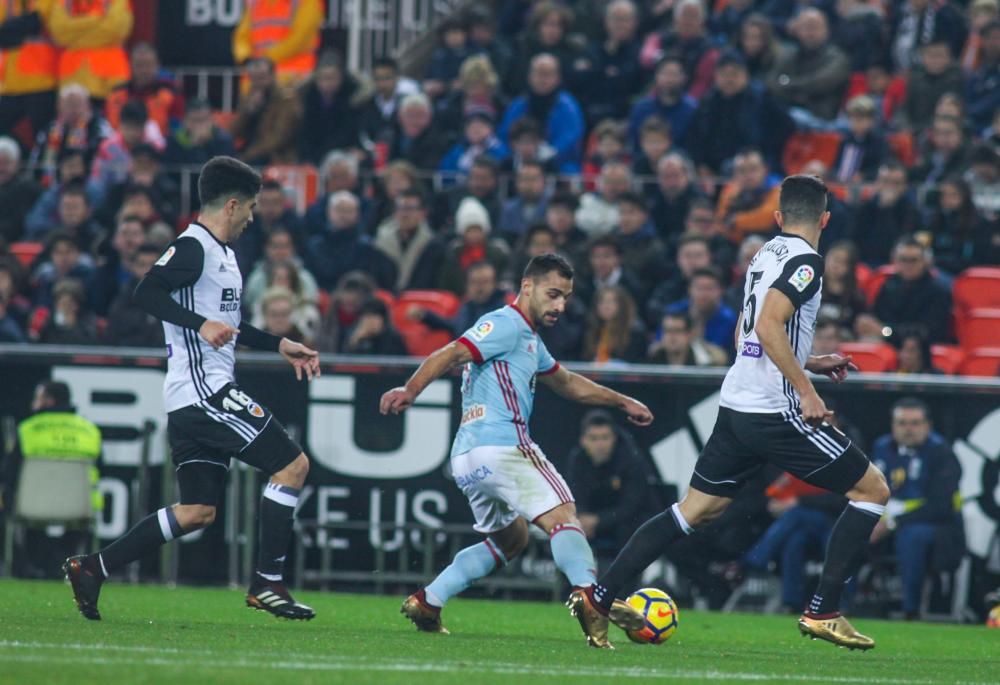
(503, 483)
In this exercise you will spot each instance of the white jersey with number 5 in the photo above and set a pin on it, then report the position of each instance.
(789, 264)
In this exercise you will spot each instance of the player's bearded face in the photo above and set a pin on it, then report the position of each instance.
(242, 215)
(548, 298)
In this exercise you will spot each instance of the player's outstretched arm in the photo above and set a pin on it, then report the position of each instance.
(302, 358)
(575, 387)
(833, 366)
(770, 327)
(438, 364)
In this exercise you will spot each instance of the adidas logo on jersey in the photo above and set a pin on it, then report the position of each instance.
(222, 268)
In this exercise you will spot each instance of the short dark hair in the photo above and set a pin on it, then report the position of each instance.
(912, 403)
(134, 112)
(802, 199)
(684, 316)
(708, 272)
(605, 241)
(655, 124)
(486, 162)
(536, 228)
(596, 418)
(565, 199)
(58, 237)
(75, 187)
(414, 193)
(547, 263)
(688, 238)
(532, 163)
(385, 63)
(57, 391)
(271, 184)
(630, 197)
(525, 126)
(225, 177)
(150, 249)
(375, 306)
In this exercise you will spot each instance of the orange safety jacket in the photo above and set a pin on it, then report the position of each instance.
(30, 67)
(92, 34)
(270, 22)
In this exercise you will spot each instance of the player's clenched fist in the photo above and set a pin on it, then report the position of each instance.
(396, 401)
(637, 412)
(814, 412)
(217, 333)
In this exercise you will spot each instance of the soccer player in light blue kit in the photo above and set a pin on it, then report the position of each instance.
(505, 475)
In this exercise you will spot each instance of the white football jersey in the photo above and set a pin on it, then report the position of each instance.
(195, 370)
(754, 384)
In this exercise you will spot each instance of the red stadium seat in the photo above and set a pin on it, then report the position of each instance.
(420, 339)
(862, 274)
(324, 300)
(871, 357)
(26, 252)
(440, 302)
(979, 328)
(876, 280)
(977, 287)
(901, 145)
(300, 181)
(803, 148)
(947, 358)
(984, 361)
(388, 298)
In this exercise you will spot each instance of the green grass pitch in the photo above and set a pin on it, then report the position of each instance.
(153, 634)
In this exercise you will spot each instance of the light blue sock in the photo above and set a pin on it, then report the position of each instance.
(469, 565)
(573, 556)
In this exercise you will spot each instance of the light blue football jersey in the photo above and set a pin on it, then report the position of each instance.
(498, 388)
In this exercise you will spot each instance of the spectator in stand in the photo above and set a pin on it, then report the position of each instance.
(911, 297)
(914, 353)
(479, 139)
(16, 305)
(287, 277)
(527, 144)
(666, 100)
(272, 210)
(864, 147)
(196, 141)
(676, 190)
(888, 90)
(343, 247)
(605, 270)
(380, 114)
(549, 34)
(146, 172)
(948, 154)
(476, 92)
(353, 290)
(44, 213)
(936, 74)
(139, 201)
(725, 23)
(482, 183)
(339, 171)
(692, 255)
(614, 331)
(18, 191)
(530, 204)
(129, 325)
(748, 250)
(394, 179)
(268, 119)
(610, 146)
(76, 127)
(981, 13)
(688, 38)
(28, 67)
(63, 259)
(655, 141)
(545, 101)
(922, 513)
(859, 33)
(614, 62)
(613, 485)
(713, 320)
(116, 271)
(959, 236)
(373, 333)
(758, 45)
(408, 241)
(481, 297)
(982, 95)
(921, 22)
(812, 76)
(330, 116)
(472, 245)
(570, 241)
(748, 202)
(91, 37)
(74, 217)
(287, 34)
(701, 222)
(70, 322)
(732, 116)
(643, 253)
(828, 337)
(164, 103)
(538, 240)
(10, 328)
(113, 161)
(598, 211)
(984, 180)
(418, 141)
(446, 60)
(886, 216)
(484, 39)
(677, 345)
(277, 315)
(843, 300)
(280, 249)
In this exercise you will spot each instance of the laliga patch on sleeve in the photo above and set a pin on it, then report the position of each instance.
(802, 277)
(481, 331)
(165, 257)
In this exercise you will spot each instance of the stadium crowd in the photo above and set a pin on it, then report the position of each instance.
(644, 142)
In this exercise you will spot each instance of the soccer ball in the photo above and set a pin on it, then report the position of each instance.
(660, 612)
(993, 620)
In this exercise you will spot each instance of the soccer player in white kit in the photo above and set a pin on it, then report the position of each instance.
(770, 413)
(505, 475)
